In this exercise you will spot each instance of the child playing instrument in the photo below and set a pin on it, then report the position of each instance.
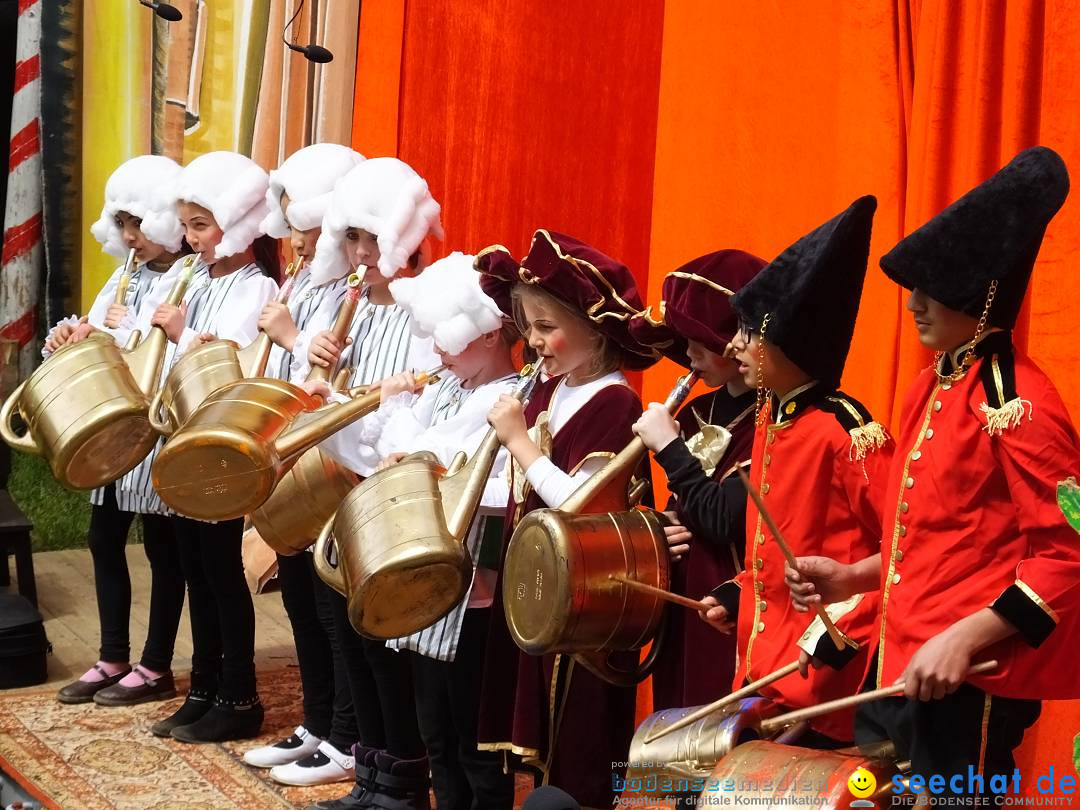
(320, 749)
(976, 561)
(137, 189)
(699, 451)
(220, 199)
(572, 303)
(379, 216)
(818, 462)
(473, 342)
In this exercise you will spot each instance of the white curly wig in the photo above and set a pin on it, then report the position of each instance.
(308, 177)
(141, 187)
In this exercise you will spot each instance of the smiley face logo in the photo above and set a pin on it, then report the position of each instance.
(861, 783)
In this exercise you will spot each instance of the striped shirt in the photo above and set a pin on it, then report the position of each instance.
(456, 420)
(304, 302)
(227, 306)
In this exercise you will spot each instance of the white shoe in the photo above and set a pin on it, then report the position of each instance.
(321, 768)
(301, 743)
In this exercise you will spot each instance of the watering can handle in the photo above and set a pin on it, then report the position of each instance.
(162, 426)
(599, 663)
(330, 574)
(24, 443)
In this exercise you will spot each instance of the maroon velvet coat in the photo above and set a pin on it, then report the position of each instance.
(518, 699)
(698, 663)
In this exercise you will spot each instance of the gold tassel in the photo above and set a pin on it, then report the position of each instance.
(865, 439)
(1009, 415)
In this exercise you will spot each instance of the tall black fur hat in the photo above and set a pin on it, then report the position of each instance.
(992, 233)
(811, 292)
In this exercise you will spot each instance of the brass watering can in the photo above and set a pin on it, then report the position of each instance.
(311, 489)
(86, 406)
(240, 440)
(557, 589)
(670, 764)
(203, 370)
(400, 538)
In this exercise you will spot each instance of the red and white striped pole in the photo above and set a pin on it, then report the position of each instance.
(20, 268)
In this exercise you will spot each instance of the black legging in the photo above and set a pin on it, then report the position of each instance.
(380, 680)
(328, 709)
(219, 603)
(107, 539)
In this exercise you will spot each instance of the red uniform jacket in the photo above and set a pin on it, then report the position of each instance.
(971, 520)
(521, 695)
(820, 464)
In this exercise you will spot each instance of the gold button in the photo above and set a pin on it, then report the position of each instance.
(930, 433)
(759, 587)
(761, 539)
(946, 386)
(789, 409)
(762, 605)
(909, 483)
(772, 438)
(764, 489)
(759, 564)
(903, 530)
(937, 405)
(904, 507)
(761, 627)
(916, 455)
(768, 459)
(895, 579)
(899, 556)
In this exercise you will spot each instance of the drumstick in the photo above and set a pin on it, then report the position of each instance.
(819, 609)
(660, 593)
(726, 700)
(776, 723)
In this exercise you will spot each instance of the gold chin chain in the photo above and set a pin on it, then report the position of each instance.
(969, 356)
(762, 391)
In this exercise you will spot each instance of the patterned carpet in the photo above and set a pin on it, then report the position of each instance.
(92, 758)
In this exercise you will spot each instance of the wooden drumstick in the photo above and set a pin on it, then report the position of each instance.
(660, 593)
(726, 700)
(776, 723)
(819, 609)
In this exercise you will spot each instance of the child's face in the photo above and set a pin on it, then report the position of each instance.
(362, 250)
(200, 229)
(302, 242)
(565, 342)
(131, 233)
(475, 357)
(715, 369)
(748, 354)
(940, 329)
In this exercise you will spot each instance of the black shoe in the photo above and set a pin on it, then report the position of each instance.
(84, 691)
(227, 720)
(401, 784)
(362, 795)
(150, 689)
(194, 707)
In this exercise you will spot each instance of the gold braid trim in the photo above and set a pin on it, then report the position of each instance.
(1008, 416)
(866, 439)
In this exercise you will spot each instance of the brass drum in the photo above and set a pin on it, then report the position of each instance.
(303, 501)
(224, 461)
(770, 775)
(198, 373)
(671, 764)
(556, 588)
(85, 414)
(401, 566)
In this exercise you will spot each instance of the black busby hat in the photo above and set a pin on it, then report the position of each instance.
(992, 233)
(810, 293)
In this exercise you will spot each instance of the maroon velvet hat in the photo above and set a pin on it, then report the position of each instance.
(695, 304)
(599, 288)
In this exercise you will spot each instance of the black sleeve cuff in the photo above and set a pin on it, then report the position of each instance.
(826, 652)
(728, 596)
(1023, 609)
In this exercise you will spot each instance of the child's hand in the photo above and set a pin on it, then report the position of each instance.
(806, 661)
(171, 319)
(81, 332)
(507, 416)
(678, 537)
(114, 316)
(202, 340)
(61, 334)
(717, 616)
(818, 580)
(392, 386)
(316, 388)
(325, 349)
(276, 321)
(656, 427)
(390, 461)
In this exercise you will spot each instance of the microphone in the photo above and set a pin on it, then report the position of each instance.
(164, 10)
(313, 53)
